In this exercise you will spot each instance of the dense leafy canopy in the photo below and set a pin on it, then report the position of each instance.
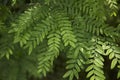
(34, 34)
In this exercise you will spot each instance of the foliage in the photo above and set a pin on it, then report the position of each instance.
(34, 33)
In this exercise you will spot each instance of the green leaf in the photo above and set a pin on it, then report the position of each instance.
(79, 62)
(99, 74)
(66, 43)
(67, 74)
(101, 58)
(98, 64)
(71, 76)
(111, 56)
(113, 64)
(89, 68)
(98, 69)
(44, 72)
(30, 49)
(46, 68)
(10, 51)
(76, 53)
(100, 50)
(90, 73)
(70, 66)
(99, 78)
(7, 55)
(118, 66)
(40, 70)
(72, 44)
(118, 75)
(71, 61)
(77, 68)
(92, 78)
(109, 51)
(99, 61)
(76, 73)
(21, 44)
(117, 50)
(117, 56)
